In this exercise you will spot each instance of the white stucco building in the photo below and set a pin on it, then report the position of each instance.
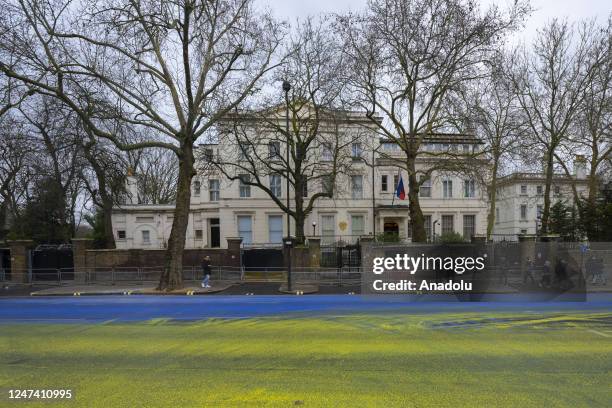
(520, 199)
(363, 201)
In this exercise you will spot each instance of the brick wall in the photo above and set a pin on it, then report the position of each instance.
(109, 258)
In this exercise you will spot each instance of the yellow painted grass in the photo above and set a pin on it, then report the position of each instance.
(355, 361)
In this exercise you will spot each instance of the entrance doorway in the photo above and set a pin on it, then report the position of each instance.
(215, 233)
(391, 228)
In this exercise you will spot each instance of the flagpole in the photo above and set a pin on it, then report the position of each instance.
(395, 187)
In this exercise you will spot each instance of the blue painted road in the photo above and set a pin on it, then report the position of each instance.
(139, 308)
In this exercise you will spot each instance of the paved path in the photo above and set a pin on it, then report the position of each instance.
(138, 308)
(90, 290)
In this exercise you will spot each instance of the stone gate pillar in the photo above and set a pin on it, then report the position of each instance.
(366, 243)
(314, 252)
(79, 257)
(527, 250)
(549, 245)
(20, 263)
(232, 257)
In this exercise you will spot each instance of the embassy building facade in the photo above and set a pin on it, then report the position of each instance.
(520, 198)
(364, 200)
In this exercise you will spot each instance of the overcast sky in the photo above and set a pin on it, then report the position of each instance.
(544, 9)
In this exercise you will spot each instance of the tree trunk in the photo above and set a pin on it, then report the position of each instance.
(299, 228)
(107, 213)
(593, 185)
(3, 211)
(547, 188)
(107, 199)
(492, 198)
(414, 206)
(588, 212)
(172, 275)
(300, 216)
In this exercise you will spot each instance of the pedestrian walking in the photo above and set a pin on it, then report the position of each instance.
(206, 271)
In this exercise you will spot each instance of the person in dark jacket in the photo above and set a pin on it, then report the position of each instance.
(206, 271)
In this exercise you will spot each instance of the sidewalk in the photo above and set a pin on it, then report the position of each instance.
(93, 290)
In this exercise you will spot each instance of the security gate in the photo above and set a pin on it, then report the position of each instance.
(5, 264)
(262, 259)
(52, 262)
(347, 257)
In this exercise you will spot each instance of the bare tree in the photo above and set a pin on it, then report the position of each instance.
(104, 179)
(492, 108)
(409, 57)
(16, 156)
(171, 67)
(591, 132)
(550, 81)
(59, 151)
(11, 93)
(157, 173)
(254, 144)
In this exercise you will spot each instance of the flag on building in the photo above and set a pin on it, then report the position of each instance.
(399, 191)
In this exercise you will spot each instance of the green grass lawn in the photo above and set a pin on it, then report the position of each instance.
(374, 360)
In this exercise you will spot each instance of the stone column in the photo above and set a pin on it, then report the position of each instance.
(551, 242)
(300, 257)
(232, 257)
(314, 251)
(19, 260)
(548, 247)
(366, 243)
(79, 257)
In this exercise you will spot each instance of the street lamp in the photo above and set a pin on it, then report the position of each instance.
(314, 226)
(433, 229)
(286, 89)
(374, 152)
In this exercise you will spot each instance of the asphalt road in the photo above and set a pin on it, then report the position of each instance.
(188, 308)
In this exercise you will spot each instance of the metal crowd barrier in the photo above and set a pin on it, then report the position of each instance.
(503, 274)
(112, 276)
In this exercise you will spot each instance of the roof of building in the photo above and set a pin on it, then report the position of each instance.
(444, 138)
(538, 177)
(143, 207)
(278, 111)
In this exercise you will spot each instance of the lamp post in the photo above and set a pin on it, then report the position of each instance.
(286, 89)
(373, 165)
(374, 151)
(314, 226)
(433, 233)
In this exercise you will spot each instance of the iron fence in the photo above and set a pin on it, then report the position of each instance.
(151, 275)
(112, 276)
(506, 264)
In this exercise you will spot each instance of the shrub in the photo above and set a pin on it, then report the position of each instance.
(451, 238)
(388, 237)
